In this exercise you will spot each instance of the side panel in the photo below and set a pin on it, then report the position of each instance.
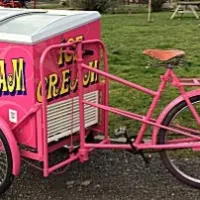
(61, 75)
(57, 63)
(17, 89)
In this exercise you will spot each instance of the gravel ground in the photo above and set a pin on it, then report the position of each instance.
(108, 175)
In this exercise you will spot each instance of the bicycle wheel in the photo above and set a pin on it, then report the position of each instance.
(6, 164)
(182, 163)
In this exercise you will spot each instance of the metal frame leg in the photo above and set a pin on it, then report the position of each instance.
(194, 11)
(175, 12)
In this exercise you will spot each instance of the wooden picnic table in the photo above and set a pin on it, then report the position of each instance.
(188, 7)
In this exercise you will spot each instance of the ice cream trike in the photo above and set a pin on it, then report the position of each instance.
(54, 87)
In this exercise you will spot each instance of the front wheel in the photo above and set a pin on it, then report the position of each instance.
(6, 164)
(184, 164)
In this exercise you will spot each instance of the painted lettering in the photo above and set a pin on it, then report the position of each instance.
(59, 86)
(63, 56)
(52, 86)
(94, 76)
(3, 78)
(13, 83)
(65, 82)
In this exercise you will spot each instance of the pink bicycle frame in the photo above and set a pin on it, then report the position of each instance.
(146, 120)
(85, 148)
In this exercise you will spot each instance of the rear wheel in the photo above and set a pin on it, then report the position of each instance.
(6, 164)
(184, 164)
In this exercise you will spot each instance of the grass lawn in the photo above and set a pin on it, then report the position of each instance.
(126, 36)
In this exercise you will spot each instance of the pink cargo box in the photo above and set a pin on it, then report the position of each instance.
(24, 35)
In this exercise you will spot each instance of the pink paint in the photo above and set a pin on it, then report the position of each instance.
(28, 129)
(53, 72)
(46, 60)
(147, 120)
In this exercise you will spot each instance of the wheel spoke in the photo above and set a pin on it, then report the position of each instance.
(182, 163)
(3, 163)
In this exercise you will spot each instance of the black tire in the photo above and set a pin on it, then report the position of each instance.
(8, 179)
(177, 173)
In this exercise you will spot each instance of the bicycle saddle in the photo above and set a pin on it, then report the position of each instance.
(163, 55)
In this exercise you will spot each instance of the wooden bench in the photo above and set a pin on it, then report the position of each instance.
(188, 7)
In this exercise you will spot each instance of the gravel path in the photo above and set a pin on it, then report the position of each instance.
(108, 175)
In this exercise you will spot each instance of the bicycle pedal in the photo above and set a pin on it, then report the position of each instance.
(146, 158)
(120, 132)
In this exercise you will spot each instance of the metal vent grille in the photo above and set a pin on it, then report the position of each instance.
(59, 116)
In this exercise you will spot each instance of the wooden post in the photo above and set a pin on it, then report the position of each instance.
(149, 11)
(34, 4)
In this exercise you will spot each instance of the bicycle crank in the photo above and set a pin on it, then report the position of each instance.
(130, 138)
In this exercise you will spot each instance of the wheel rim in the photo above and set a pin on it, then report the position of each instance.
(186, 162)
(3, 163)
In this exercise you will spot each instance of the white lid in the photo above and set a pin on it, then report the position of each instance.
(34, 25)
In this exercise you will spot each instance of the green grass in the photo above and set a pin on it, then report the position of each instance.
(126, 36)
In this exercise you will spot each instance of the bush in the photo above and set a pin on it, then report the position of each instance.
(157, 5)
(96, 5)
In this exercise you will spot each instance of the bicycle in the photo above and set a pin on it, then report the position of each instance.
(167, 132)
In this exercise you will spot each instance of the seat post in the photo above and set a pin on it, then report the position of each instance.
(170, 66)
